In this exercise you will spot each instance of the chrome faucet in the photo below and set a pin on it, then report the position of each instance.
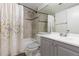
(67, 31)
(65, 34)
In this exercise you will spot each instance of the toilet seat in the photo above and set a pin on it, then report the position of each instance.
(32, 49)
(32, 45)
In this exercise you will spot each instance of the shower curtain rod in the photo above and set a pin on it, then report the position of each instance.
(32, 9)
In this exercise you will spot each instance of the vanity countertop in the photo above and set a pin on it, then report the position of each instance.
(72, 39)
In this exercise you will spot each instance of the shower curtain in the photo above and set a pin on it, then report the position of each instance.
(11, 29)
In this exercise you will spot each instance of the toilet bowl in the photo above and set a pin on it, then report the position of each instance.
(32, 48)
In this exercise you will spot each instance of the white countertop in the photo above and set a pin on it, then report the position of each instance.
(72, 39)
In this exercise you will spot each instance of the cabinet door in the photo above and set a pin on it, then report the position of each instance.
(47, 48)
(51, 47)
(62, 51)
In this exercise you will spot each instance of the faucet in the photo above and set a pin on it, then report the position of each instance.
(67, 31)
(65, 34)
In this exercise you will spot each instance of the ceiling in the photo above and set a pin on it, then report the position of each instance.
(32, 5)
(49, 8)
(53, 8)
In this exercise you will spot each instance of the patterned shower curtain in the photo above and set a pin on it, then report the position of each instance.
(11, 28)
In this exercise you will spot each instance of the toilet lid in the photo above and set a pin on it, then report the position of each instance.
(33, 45)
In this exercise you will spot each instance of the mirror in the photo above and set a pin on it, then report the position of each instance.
(66, 17)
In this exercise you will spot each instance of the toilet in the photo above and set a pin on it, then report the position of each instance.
(33, 48)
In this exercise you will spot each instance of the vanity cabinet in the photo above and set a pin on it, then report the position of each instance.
(66, 50)
(50, 47)
(47, 47)
(63, 51)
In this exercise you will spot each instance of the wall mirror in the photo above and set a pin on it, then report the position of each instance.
(65, 16)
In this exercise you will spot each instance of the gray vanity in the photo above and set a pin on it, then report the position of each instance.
(51, 47)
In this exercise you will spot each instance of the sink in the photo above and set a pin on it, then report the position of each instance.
(70, 37)
(44, 33)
